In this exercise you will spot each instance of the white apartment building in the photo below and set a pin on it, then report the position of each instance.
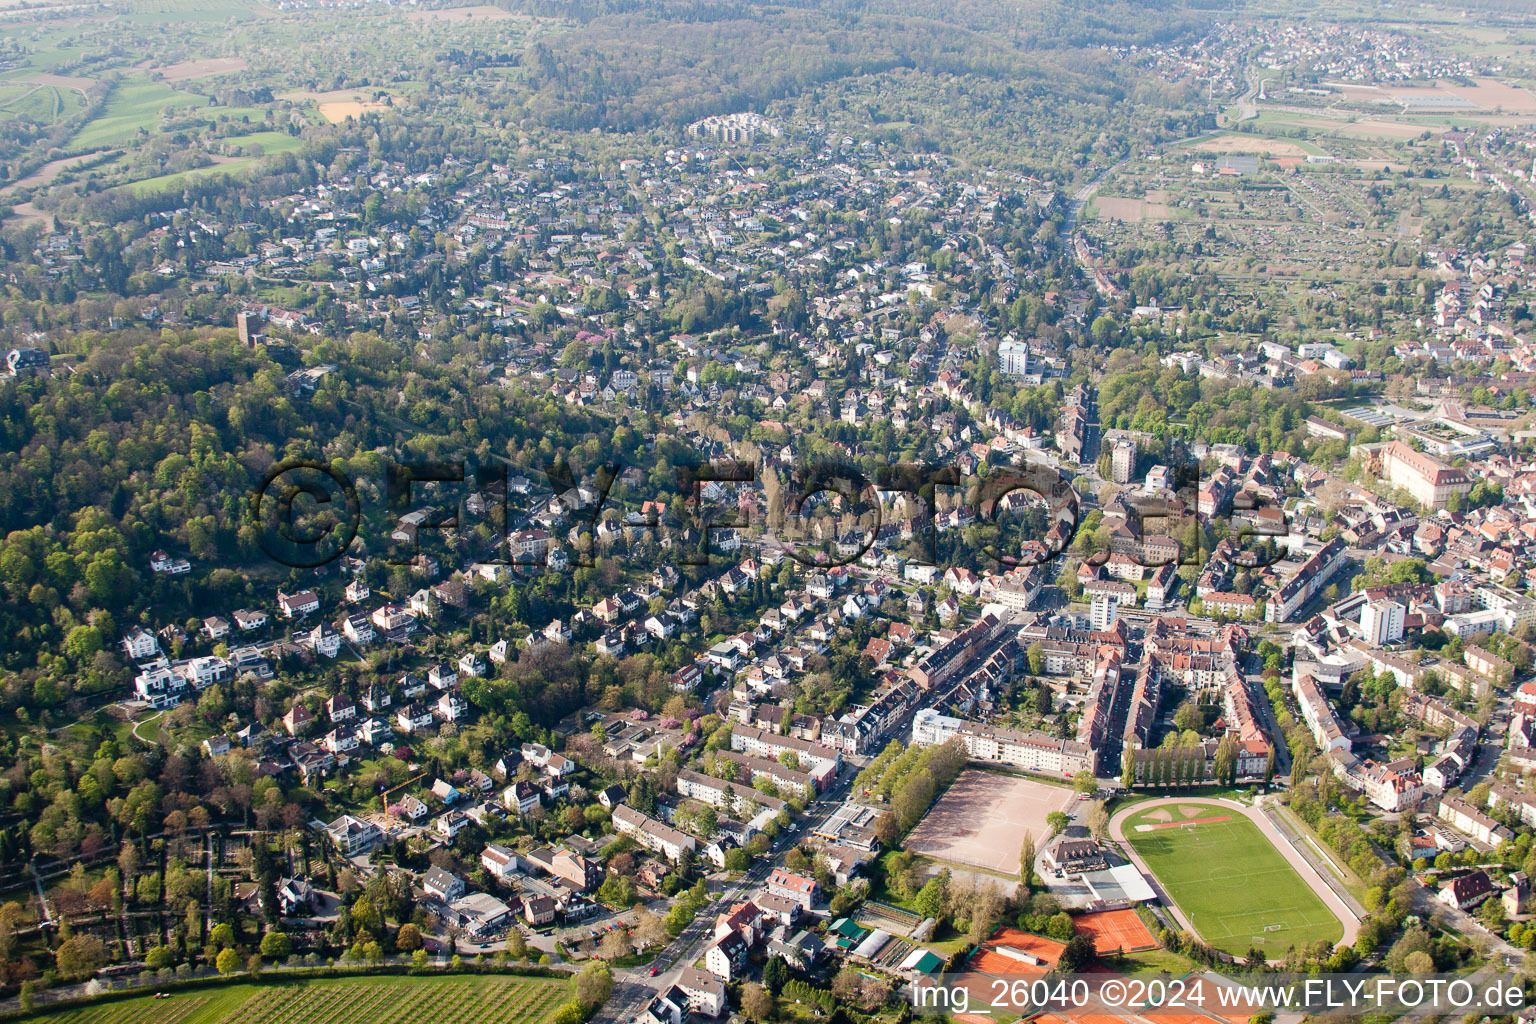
(1029, 751)
(1013, 357)
(1381, 622)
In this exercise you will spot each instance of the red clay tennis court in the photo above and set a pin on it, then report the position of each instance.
(985, 961)
(1115, 929)
(993, 961)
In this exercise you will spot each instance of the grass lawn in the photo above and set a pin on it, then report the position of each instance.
(46, 104)
(1231, 883)
(1153, 961)
(457, 999)
(166, 182)
(135, 104)
(270, 143)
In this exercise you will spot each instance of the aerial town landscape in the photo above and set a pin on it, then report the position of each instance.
(674, 512)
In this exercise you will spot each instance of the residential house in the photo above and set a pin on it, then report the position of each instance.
(500, 861)
(790, 886)
(295, 606)
(538, 910)
(705, 992)
(1466, 892)
(354, 836)
(442, 885)
(726, 957)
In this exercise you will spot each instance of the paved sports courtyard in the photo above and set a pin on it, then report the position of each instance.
(983, 819)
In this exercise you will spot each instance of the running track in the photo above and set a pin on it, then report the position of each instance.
(1303, 867)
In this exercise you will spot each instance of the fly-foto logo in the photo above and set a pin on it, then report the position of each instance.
(822, 514)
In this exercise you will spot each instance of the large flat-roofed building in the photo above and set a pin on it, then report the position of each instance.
(1430, 481)
(1013, 357)
(1514, 610)
(652, 834)
(1029, 751)
(1381, 623)
(1318, 713)
(1122, 462)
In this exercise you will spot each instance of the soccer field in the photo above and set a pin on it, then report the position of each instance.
(1230, 882)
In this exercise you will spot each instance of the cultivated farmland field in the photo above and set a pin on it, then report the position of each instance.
(1232, 884)
(457, 999)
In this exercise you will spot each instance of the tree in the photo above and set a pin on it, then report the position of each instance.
(1098, 820)
(1043, 700)
(1078, 956)
(775, 974)
(929, 900)
(80, 956)
(8, 930)
(1226, 760)
(1027, 861)
(275, 945)
(593, 984)
(912, 799)
(617, 891)
(1299, 761)
(616, 944)
(986, 908)
(517, 946)
(366, 916)
(1036, 656)
(1492, 914)
(1103, 330)
(1060, 927)
(1128, 766)
(1058, 820)
(1085, 783)
(649, 930)
(228, 961)
(408, 938)
(757, 1002)
(847, 986)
